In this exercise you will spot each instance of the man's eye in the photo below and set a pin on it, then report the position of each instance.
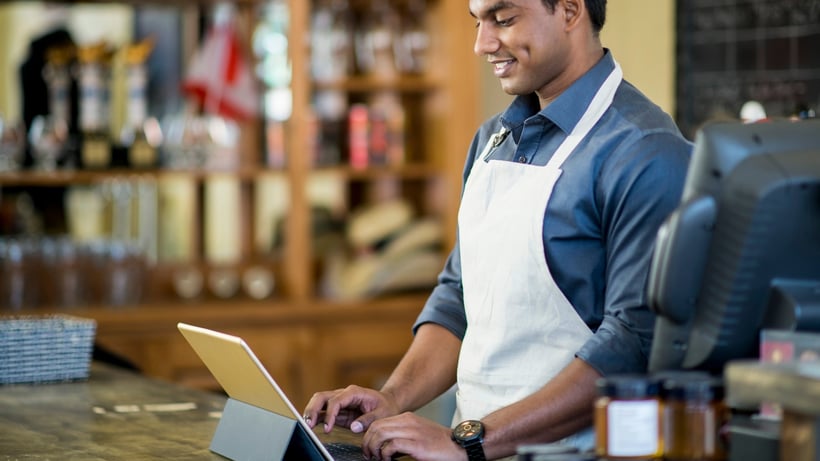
(504, 21)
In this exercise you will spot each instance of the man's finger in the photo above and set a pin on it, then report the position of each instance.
(361, 423)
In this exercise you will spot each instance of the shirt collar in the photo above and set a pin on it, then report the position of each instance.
(568, 108)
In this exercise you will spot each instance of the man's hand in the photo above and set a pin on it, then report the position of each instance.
(410, 434)
(353, 407)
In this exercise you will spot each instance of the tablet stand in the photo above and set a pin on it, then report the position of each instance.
(247, 432)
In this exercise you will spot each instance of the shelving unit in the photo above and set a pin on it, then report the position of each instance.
(313, 342)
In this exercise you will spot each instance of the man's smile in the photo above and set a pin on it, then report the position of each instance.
(501, 67)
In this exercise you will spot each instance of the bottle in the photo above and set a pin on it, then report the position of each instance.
(94, 74)
(330, 109)
(358, 126)
(377, 137)
(386, 107)
(270, 45)
(51, 137)
(375, 41)
(141, 134)
(331, 41)
(628, 418)
(410, 47)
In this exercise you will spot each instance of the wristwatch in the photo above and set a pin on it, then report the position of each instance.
(470, 435)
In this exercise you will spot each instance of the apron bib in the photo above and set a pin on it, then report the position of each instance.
(521, 329)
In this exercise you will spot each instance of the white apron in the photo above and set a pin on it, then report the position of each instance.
(521, 329)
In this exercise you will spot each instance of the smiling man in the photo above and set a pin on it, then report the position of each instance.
(544, 292)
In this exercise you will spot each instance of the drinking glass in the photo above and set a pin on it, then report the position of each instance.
(18, 274)
(48, 135)
(187, 142)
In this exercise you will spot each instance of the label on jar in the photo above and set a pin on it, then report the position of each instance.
(632, 427)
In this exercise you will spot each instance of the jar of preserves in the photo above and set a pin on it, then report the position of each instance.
(628, 418)
(693, 415)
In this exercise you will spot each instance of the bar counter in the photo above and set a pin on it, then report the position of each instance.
(115, 414)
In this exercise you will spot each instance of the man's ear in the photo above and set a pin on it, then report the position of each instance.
(574, 10)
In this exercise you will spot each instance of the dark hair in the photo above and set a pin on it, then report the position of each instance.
(596, 9)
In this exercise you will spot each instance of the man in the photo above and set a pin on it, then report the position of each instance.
(544, 292)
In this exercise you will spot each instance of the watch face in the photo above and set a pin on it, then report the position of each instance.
(467, 430)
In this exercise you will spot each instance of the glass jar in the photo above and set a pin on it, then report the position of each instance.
(628, 418)
(118, 270)
(693, 415)
(62, 277)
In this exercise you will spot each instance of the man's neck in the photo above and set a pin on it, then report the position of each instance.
(572, 74)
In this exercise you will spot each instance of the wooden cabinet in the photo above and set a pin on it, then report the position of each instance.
(308, 340)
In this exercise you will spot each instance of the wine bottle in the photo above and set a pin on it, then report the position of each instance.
(141, 134)
(94, 75)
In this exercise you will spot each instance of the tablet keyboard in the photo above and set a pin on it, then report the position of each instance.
(345, 451)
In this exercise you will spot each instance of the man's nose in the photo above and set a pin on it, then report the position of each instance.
(486, 41)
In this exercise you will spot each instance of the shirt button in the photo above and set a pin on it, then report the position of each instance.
(522, 159)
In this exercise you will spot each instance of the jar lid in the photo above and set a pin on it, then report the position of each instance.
(545, 449)
(693, 388)
(558, 457)
(679, 374)
(628, 386)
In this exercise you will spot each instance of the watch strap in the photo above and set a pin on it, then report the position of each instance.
(475, 452)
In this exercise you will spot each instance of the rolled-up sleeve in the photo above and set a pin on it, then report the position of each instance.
(445, 306)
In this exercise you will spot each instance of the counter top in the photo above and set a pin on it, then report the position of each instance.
(115, 414)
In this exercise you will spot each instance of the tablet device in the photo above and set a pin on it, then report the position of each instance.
(243, 377)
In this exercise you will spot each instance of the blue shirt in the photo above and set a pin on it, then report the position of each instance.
(615, 190)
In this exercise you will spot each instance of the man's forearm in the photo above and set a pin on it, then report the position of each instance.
(557, 410)
(426, 370)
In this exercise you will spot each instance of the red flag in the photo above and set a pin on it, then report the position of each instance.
(219, 77)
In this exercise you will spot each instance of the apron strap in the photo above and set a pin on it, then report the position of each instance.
(599, 104)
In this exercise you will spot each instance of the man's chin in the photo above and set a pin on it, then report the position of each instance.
(510, 88)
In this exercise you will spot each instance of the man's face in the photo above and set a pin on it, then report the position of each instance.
(526, 44)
